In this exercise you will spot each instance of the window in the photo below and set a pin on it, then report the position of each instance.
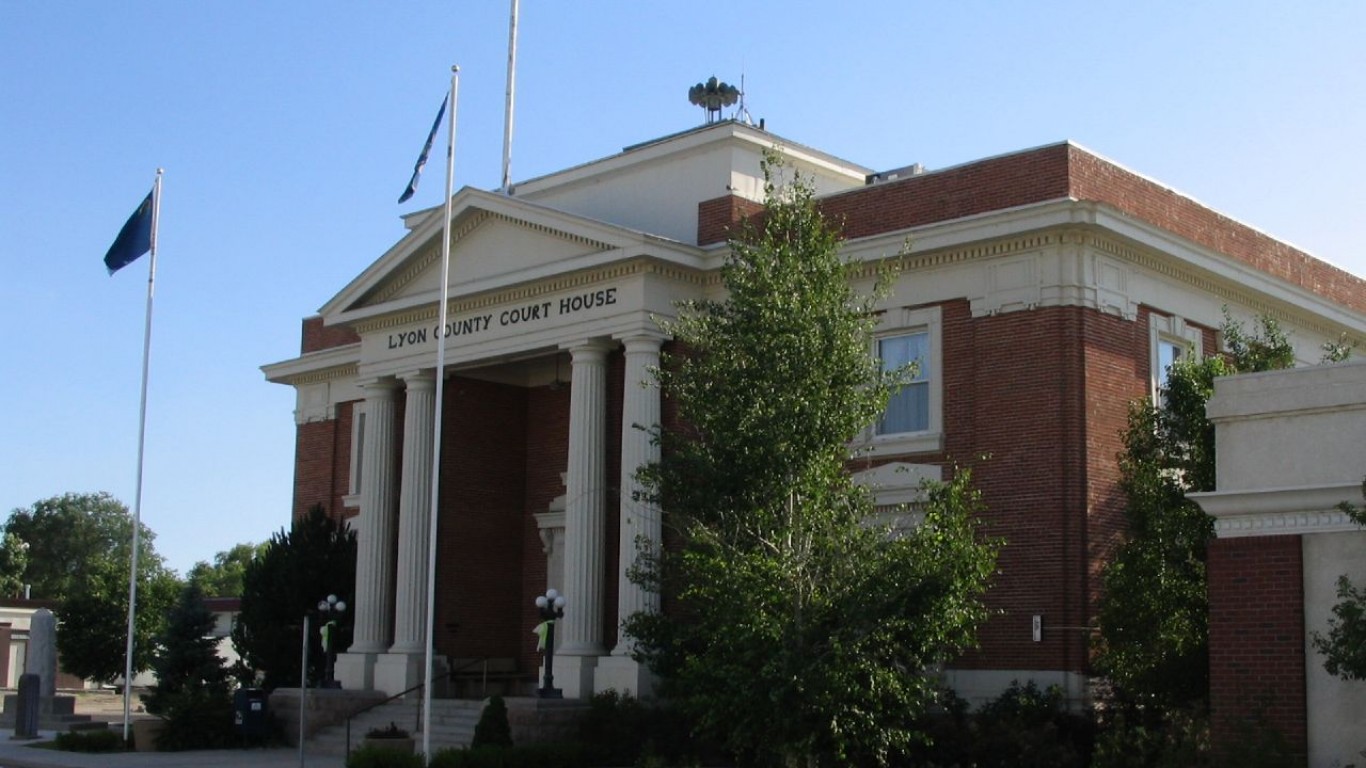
(352, 498)
(909, 409)
(1169, 339)
(913, 421)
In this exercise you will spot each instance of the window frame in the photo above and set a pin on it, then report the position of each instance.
(352, 498)
(1169, 330)
(903, 322)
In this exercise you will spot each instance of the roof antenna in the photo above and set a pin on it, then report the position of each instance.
(742, 113)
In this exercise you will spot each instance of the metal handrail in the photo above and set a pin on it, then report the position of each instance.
(418, 722)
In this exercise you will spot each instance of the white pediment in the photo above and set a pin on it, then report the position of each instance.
(496, 242)
(898, 482)
(485, 248)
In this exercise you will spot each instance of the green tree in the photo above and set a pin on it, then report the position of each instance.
(1154, 613)
(223, 578)
(192, 688)
(316, 557)
(13, 563)
(804, 629)
(79, 553)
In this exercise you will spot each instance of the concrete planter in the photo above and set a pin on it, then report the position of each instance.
(145, 733)
(405, 744)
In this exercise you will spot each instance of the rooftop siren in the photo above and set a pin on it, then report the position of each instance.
(712, 96)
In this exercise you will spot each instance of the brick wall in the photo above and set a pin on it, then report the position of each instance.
(716, 219)
(1257, 673)
(322, 464)
(480, 536)
(317, 336)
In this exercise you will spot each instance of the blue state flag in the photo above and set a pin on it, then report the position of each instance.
(134, 239)
(422, 158)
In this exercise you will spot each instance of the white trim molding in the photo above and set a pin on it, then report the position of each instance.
(1280, 511)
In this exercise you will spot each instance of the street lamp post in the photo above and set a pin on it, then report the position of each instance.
(551, 606)
(327, 609)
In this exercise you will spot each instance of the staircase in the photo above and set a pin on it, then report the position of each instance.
(453, 722)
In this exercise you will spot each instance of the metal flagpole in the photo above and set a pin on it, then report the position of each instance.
(436, 430)
(507, 112)
(142, 434)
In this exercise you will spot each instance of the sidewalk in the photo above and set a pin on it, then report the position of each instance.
(15, 754)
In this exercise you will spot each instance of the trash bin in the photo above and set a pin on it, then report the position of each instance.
(251, 712)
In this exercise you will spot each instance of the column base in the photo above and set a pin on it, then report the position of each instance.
(355, 671)
(397, 672)
(625, 675)
(574, 675)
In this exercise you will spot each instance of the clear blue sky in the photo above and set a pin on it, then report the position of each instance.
(288, 129)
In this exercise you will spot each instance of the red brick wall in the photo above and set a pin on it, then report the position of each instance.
(480, 535)
(1256, 597)
(547, 455)
(1095, 179)
(716, 219)
(317, 336)
(1044, 394)
(322, 464)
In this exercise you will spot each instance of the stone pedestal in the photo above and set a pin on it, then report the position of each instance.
(625, 675)
(397, 672)
(355, 671)
(574, 675)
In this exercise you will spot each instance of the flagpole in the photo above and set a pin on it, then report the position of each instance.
(436, 418)
(507, 111)
(142, 434)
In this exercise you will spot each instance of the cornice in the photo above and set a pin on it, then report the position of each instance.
(566, 282)
(314, 367)
(1279, 511)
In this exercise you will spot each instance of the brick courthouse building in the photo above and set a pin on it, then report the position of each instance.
(1042, 290)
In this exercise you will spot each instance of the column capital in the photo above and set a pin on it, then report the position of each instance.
(642, 339)
(421, 378)
(589, 349)
(378, 386)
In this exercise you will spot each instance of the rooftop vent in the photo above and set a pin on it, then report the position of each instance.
(904, 172)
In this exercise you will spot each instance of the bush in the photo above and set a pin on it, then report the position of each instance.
(1024, 727)
(198, 719)
(371, 756)
(526, 756)
(90, 741)
(493, 729)
(620, 730)
(1172, 739)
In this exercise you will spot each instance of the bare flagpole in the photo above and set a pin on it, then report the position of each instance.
(507, 111)
(436, 430)
(142, 434)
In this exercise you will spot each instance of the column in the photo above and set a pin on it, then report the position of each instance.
(640, 520)
(580, 631)
(402, 667)
(374, 536)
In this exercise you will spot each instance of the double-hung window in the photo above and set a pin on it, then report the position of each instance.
(912, 422)
(909, 409)
(1169, 339)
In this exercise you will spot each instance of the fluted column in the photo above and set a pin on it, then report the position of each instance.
(640, 521)
(414, 514)
(374, 559)
(585, 513)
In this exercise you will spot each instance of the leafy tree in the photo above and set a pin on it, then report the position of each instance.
(78, 553)
(804, 629)
(13, 563)
(1154, 613)
(223, 578)
(77, 537)
(314, 558)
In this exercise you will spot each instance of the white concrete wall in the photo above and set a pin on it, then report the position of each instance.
(1291, 446)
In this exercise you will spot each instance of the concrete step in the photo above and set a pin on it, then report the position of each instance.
(452, 724)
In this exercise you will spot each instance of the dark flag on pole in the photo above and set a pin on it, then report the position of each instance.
(422, 158)
(134, 239)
